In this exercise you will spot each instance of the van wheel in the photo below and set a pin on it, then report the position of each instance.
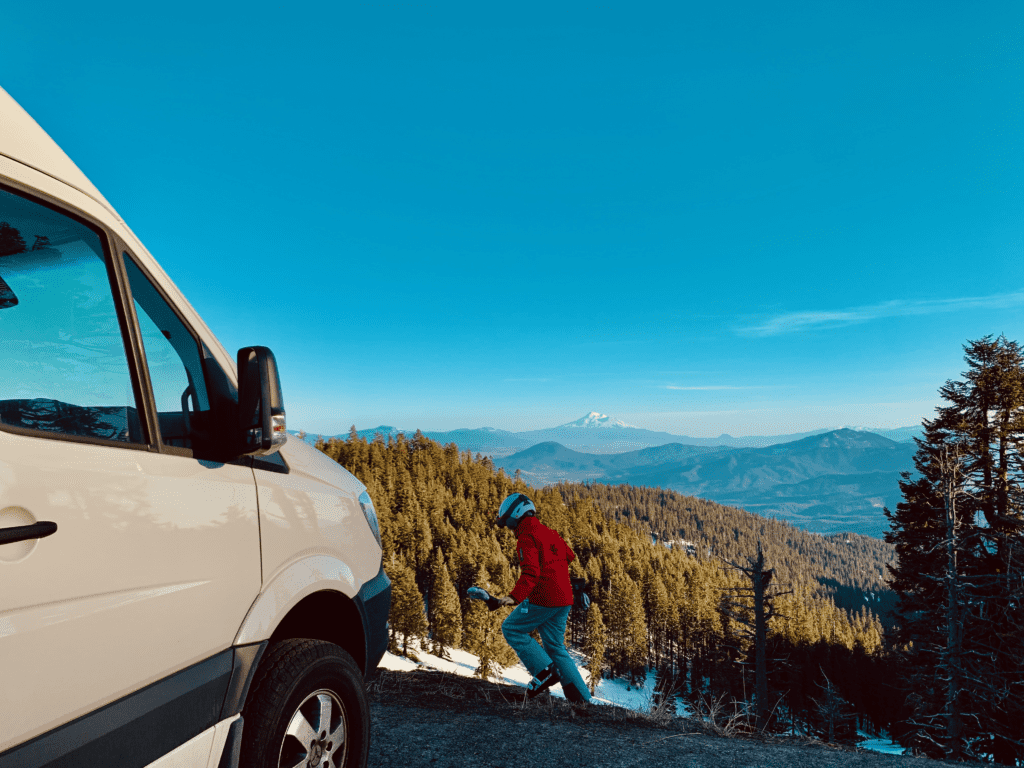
(307, 708)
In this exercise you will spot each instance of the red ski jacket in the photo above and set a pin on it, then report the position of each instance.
(544, 559)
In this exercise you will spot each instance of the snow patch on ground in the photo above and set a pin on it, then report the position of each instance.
(459, 662)
(880, 744)
(618, 693)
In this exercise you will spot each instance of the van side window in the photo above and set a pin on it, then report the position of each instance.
(62, 355)
(175, 364)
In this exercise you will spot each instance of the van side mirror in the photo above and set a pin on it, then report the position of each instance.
(261, 419)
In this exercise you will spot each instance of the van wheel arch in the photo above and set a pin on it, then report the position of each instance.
(326, 615)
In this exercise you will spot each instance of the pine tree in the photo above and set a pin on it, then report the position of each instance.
(475, 620)
(482, 633)
(834, 716)
(627, 630)
(407, 617)
(658, 613)
(959, 539)
(444, 613)
(593, 571)
(424, 544)
(594, 646)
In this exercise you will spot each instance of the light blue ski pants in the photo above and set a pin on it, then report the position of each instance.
(550, 622)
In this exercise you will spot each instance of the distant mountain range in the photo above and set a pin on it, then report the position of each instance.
(825, 483)
(600, 434)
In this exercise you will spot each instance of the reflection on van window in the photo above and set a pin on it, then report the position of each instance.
(61, 349)
(175, 365)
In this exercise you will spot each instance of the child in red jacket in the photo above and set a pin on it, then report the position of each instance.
(543, 598)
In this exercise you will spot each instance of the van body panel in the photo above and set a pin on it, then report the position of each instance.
(204, 751)
(37, 183)
(154, 565)
(297, 580)
(374, 603)
(136, 729)
(26, 142)
(304, 458)
(195, 752)
(313, 510)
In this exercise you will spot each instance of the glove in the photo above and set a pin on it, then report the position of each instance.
(479, 593)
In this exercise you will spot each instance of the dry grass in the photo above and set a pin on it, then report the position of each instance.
(715, 716)
(430, 689)
(428, 719)
(444, 690)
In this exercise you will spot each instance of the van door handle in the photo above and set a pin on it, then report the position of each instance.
(25, 532)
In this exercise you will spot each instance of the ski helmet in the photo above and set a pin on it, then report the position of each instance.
(513, 509)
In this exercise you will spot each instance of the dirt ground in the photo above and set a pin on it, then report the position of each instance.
(435, 720)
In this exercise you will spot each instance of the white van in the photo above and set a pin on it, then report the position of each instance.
(180, 584)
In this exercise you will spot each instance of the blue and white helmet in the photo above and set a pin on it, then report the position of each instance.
(513, 509)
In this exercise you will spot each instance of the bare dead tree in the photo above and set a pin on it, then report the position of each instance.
(755, 623)
(952, 478)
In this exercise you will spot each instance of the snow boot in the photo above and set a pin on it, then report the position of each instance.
(579, 704)
(573, 695)
(544, 680)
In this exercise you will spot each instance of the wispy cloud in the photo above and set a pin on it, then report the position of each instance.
(713, 386)
(794, 322)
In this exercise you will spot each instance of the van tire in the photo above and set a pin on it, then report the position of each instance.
(297, 683)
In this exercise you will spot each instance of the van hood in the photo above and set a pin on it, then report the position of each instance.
(302, 457)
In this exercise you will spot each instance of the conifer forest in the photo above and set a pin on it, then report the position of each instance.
(920, 635)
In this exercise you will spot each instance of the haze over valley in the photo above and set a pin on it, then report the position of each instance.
(826, 481)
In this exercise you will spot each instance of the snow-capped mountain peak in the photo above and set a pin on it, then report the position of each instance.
(598, 420)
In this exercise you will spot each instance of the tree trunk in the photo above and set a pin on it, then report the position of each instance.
(954, 630)
(760, 644)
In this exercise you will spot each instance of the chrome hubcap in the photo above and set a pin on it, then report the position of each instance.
(315, 736)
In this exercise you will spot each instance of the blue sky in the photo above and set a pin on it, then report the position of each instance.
(751, 218)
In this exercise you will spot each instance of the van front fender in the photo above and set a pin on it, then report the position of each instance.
(298, 580)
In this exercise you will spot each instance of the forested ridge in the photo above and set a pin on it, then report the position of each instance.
(849, 567)
(655, 607)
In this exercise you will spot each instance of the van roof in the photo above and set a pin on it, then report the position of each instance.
(25, 141)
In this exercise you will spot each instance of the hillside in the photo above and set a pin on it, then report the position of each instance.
(550, 461)
(828, 483)
(432, 720)
(654, 608)
(848, 567)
